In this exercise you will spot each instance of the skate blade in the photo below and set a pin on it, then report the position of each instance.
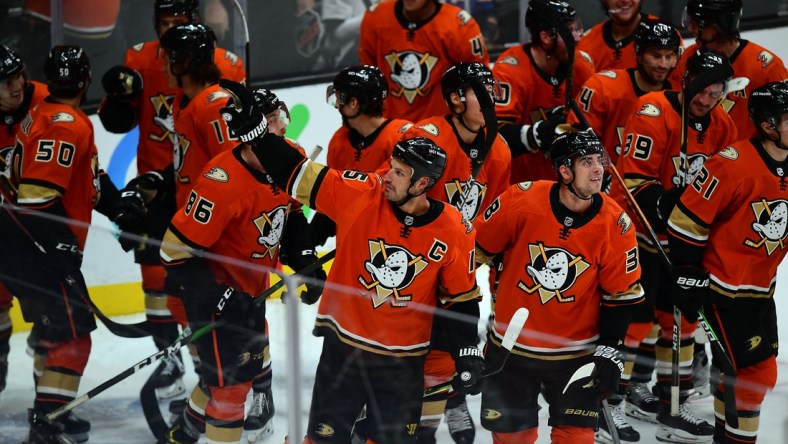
(665, 434)
(255, 436)
(642, 415)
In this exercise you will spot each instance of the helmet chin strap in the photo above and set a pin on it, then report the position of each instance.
(461, 118)
(573, 191)
(777, 141)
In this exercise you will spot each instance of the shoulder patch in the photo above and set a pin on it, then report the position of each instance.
(405, 127)
(216, 95)
(525, 186)
(624, 222)
(138, 46)
(586, 57)
(217, 174)
(765, 57)
(373, 7)
(608, 74)
(510, 60)
(430, 129)
(62, 117)
(649, 110)
(231, 57)
(464, 17)
(729, 153)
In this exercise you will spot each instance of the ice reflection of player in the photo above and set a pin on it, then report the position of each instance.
(486, 15)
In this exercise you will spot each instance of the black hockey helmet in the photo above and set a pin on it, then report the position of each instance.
(191, 42)
(570, 145)
(767, 103)
(67, 70)
(725, 13)
(10, 63)
(266, 101)
(364, 82)
(546, 15)
(655, 33)
(706, 67)
(188, 8)
(461, 75)
(421, 154)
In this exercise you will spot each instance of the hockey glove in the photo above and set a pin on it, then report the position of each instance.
(540, 135)
(667, 202)
(129, 212)
(609, 362)
(149, 185)
(469, 364)
(690, 291)
(242, 113)
(235, 306)
(122, 82)
(315, 281)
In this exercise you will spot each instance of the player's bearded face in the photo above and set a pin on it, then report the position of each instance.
(703, 102)
(655, 64)
(12, 92)
(397, 181)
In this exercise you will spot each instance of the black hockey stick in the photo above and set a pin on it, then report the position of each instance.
(247, 60)
(731, 414)
(138, 330)
(589, 371)
(148, 400)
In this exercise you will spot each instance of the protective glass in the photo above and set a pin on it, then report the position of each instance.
(331, 95)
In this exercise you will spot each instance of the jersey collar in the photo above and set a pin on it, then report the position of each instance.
(568, 219)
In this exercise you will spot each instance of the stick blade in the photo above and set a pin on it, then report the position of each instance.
(515, 327)
(583, 372)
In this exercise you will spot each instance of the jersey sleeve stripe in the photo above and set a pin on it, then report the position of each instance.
(469, 295)
(316, 186)
(39, 189)
(685, 228)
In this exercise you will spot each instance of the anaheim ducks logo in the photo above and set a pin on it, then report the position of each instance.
(753, 343)
(216, 95)
(324, 430)
(609, 74)
(392, 269)
(62, 118)
(179, 150)
(554, 271)
(6, 161)
(766, 58)
(411, 71)
(695, 162)
(649, 110)
(771, 222)
(491, 415)
(271, 225)
(729, 153)
(473, 192)
(162, 106)
(217, 174)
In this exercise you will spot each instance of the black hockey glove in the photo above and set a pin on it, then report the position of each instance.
(122, 82)
(690, 291)
(315, 281)
(609, 363)
(235, 306)
(149, 185)
(129, 212)
(244, 117)
(540, 135)
(469, 365)
(667, 202)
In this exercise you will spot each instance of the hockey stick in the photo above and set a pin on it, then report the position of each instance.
(138, 330)
(148, 400)
(731, 414)
(513, 331)
(589, 371)
(247, 61)
(315, 152)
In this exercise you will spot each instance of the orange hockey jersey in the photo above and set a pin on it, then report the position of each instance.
(736, 210)
(492, 180)
(414, 55)
(154, 151)
(391, 268)
(561, 265)
(526, 90)
(235, 212)
(348, 150)
(58, 152)
(752, 61)
(201, 134)
(652, 141)
(607, 99)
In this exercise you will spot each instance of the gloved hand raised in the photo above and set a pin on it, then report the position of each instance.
(469, 364)
(540, 135)
(122, 82)
(244, 117)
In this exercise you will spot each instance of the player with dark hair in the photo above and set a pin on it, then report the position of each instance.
(657, 165)
(715, 25)
(570, 253)
(413, 42)
(734, 209)
(58, 181)
(463, 135)
(533, 84)
(607, 100)
(402, 253)
(18, 95)
(365, 140)
(236, 213)
(138, 94)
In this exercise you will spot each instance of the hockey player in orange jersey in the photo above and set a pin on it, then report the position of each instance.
(413, 42)
(238, 214)
(729, 230)
(393, 266)
(656, 172)
(715, 25)
(533, 85)
(138, 94)
(569, 253)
